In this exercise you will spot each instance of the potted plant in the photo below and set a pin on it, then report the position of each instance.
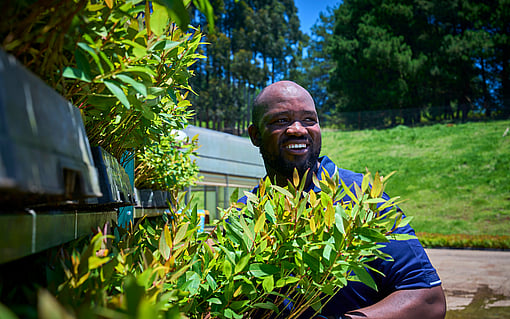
(165, 166)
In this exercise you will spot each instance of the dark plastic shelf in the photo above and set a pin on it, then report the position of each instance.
(44, 152)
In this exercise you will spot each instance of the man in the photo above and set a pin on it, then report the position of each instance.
(286, 129)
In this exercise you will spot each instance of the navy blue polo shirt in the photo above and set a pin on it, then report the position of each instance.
(410, 268)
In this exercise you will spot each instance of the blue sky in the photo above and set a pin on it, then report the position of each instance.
(308, 11)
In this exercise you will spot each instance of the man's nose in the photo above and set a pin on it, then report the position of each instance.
(296, 128)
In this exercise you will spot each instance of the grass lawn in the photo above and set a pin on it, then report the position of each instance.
(455, 178)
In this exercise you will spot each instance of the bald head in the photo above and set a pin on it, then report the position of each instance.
(275, 93)
(286, 130)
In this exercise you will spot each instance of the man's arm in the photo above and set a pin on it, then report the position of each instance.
(423, 303)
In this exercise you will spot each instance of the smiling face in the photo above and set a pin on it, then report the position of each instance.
(286, 130)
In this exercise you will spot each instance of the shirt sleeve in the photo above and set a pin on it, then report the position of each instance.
(410, 268)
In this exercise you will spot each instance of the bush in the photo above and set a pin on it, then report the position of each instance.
(284, 244)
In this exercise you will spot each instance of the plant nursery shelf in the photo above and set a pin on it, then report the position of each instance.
(29, 232)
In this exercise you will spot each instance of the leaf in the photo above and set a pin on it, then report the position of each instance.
(312, 262)
(212, 283)
(181, 233)
(375, 200)
(192, 282)
(118, 92)
(235, 194)
(385, 178)
(74, 73)
(165, 45)
(242, 263)
(260, 270)
(106, 60)
(313, 227)
(47, 307)
(364, 276)
(239, 304)
(206, 8)
(133, 295)
(295, 178)
(266, 305)
(227, 269)
(286, 281)
(328, 289)
(138, 50)
(371, 235)
(96, 262)
(178, 12)
(215, 301)
(176, 275)
(269, 212)
(364, 183)
(248, 231)
(397, 236)
(268, 284)
(159, 19)
(164, 249)
(329, 215)
(139, 87)
(339, 219)
(313, 199)
(5, 313)
(259, 224)
(92, 53)
(168, 237)
(229, 313)
(378, 186)
(349, 193)
(283, 191)
(404, 221)
(141, 69)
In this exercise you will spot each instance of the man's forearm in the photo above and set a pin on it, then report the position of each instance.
(425, 303)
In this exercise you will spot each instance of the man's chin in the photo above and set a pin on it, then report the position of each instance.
(301, 167)
(285, 167)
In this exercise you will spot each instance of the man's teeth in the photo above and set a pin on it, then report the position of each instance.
(296, 146)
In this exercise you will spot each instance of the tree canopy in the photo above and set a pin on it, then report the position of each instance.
(373, 63)
(419, 54)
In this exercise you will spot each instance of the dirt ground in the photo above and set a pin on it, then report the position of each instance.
(471, 275)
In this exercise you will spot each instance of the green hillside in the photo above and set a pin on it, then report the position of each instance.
(455, 178)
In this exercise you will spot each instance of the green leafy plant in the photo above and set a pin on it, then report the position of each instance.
(125, 64)
(171, 154)
(284, 244)
(131, 75)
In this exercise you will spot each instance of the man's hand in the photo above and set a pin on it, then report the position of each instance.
(424, 303)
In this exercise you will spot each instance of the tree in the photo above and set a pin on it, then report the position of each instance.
(313, 71)
(424, 58)
(375, 66)
(254, 42)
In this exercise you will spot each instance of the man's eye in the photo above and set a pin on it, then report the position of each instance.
(280, 121)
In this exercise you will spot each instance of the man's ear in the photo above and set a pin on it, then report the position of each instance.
(254, 133)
